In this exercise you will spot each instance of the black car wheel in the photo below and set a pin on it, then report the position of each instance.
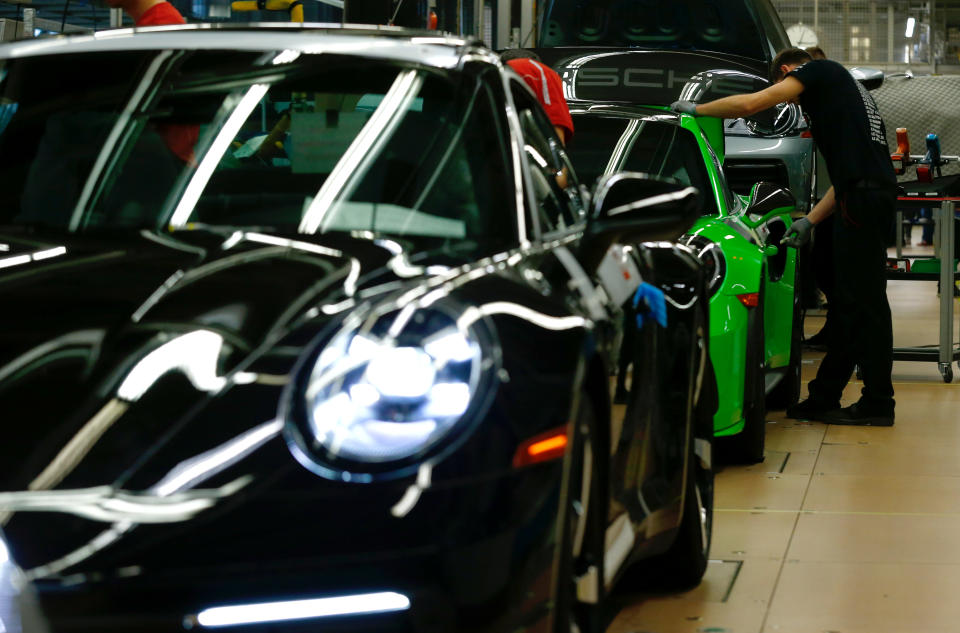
(787, 391)
(686, 560)
(747, 446)
(581, 544)
(682, 566)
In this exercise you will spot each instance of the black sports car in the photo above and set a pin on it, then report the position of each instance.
(300, 331)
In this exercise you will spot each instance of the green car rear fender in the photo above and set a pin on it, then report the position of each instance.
(751, 267)
(728, 319)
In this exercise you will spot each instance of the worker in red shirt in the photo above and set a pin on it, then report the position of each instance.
(546, 84)
(149, 12)
(179, 138)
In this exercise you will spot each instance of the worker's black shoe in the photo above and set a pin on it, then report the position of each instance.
(858, 415)
(811, 409)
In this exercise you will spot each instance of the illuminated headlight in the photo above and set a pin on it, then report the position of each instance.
(385, 393)
(713, 260)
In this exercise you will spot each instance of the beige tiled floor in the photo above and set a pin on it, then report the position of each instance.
(841, 529)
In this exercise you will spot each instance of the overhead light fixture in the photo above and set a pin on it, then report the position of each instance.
(474, 314)
(363, 149)
(36, 256)
(911, 23)
(197, 469)
(229, 130)
(285, 57)
(259, 613)
(195, 354)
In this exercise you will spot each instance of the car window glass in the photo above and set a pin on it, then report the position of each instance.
(725, 190)
(598, 141)
(53, 122)
(385, 150)
(326, 143)
(773, 29)
(657, 148)
(725, 26)
(558, 207)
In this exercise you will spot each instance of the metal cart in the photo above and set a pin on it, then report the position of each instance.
(947, 351)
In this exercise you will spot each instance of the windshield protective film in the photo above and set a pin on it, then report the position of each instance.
(724, 26)
(299, 144)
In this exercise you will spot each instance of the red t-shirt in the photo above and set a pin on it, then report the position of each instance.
(158, 14)
(179, 138)
(548, 87)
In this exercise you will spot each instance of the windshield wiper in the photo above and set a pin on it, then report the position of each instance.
(225, 230)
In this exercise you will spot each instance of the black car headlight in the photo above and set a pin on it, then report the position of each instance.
(384, 394)
(713, 260)
(783, 119)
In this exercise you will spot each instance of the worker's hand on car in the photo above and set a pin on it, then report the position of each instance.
(684, 107)
(798, 234)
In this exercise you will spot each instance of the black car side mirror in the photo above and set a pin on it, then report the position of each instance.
(766, 200)
(633, 207)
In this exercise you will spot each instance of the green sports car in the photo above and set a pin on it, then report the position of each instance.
(754, 298)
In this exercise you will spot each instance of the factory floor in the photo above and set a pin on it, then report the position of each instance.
(840, 529)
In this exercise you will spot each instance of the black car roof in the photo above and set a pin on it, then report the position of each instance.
(622, 109)
(435, 49)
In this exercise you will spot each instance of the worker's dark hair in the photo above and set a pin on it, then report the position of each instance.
(816, 52)
(518, 53)
(787, 56)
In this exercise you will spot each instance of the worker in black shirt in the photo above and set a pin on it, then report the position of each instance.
(820, 253)
(847, 127)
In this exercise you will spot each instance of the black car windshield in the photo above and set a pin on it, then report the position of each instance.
(723, 26)
(606, 144)
(175, 140)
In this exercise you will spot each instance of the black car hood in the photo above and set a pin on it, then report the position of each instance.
(106, 285)
(80, 316)
(77, 422)
(650, 77)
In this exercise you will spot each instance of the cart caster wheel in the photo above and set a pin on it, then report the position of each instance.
(947, 372)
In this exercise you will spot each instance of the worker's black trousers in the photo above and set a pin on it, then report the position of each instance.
(861, 330)
(822, 265)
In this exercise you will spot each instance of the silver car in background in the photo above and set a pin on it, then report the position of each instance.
(644, 52)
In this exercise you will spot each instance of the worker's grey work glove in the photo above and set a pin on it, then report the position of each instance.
(684, 107)
(798, 234)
